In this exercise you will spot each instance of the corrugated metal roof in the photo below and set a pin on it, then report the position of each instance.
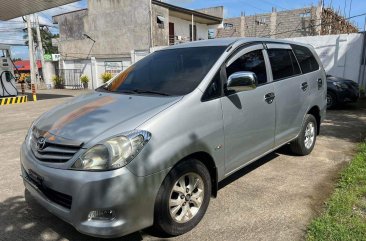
(10, 9)
(24, 65)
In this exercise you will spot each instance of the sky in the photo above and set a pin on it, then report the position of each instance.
(10, 31)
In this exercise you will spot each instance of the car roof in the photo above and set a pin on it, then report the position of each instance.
(230, 41)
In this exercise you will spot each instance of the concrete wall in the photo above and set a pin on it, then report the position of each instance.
(213, 11)
(295, 20)
(283, 24)
(118, 26)
(236, 31)
(341, 54)
(160, 35)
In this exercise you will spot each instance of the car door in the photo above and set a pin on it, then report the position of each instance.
(249, 116)
(291, 89)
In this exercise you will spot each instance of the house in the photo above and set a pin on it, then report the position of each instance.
(111, 34)
(23, 66)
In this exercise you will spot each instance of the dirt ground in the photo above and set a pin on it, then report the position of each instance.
(272, 199)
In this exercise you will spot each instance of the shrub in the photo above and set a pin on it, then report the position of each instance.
(362, 92)
(57, 82)
(84, 79)
(106, 77)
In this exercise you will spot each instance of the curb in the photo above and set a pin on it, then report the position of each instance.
(13, 100)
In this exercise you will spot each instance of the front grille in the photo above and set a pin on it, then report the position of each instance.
(59, 198)
(54, 151)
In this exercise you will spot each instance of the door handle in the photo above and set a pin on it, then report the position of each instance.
(304, 86)
(269, 97)
(320, 83)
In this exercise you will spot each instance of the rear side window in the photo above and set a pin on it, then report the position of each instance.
(306, 59)
(283, 63)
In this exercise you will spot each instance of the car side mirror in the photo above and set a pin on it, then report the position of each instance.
(241, 81)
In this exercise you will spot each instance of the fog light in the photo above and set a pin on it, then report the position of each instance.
(103, 215)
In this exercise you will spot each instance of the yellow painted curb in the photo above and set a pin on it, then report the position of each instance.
(13, 100)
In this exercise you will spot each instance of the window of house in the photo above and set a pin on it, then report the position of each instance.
(253, 62)
(160, 21)
(283, 63)
(306, 59)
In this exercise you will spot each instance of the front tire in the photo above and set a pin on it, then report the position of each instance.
(305, 142)
(183, 198)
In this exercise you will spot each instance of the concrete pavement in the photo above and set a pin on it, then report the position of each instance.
(272, 199)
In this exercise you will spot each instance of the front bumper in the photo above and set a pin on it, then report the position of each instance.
(72, 195)
(348, 95)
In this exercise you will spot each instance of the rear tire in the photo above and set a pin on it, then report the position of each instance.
(331, 100)
(182, 199)
(304, 143)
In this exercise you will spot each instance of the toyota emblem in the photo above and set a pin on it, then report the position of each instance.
(41, 143)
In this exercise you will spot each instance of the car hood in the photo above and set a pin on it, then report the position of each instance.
(87, 116)
(338, 79)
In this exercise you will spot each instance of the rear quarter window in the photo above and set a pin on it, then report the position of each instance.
(283, 63)
(305, 58)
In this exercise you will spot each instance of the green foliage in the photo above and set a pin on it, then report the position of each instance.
(46, 37)
(345, 214)
(57, 82)
(106, 77)
(362, 91)
(84, 79)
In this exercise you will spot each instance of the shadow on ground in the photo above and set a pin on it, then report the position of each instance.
(46, 96)
(343, 120)
(22, 218)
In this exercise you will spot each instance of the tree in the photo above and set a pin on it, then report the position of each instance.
(47, 37)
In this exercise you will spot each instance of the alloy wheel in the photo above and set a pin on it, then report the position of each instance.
(186, 197)
(309, 135)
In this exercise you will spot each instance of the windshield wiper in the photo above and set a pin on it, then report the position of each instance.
(128, 91)
(149, 92)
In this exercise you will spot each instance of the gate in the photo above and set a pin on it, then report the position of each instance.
(70, 78)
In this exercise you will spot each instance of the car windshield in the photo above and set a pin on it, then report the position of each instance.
(171, 72)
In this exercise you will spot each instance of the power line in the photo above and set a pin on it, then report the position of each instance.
(350, 7)
(14, 44)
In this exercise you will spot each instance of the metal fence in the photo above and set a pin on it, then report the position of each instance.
(70, 78)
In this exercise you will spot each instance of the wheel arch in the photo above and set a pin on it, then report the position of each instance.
(315, 111)
(207, 160)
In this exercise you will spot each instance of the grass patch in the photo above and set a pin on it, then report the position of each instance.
(345, 215)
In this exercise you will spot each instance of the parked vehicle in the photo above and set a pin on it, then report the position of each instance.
(149, 147)
(340, 90)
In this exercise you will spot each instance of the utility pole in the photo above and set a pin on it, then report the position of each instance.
(40, 47)
(31, 52)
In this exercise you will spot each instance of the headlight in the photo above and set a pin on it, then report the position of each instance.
(29, 132)
(113, 153)
(340, 85)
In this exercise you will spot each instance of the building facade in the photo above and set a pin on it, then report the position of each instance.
(309, 21)
(111, 34)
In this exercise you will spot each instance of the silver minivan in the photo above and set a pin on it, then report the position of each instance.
(149, 147)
